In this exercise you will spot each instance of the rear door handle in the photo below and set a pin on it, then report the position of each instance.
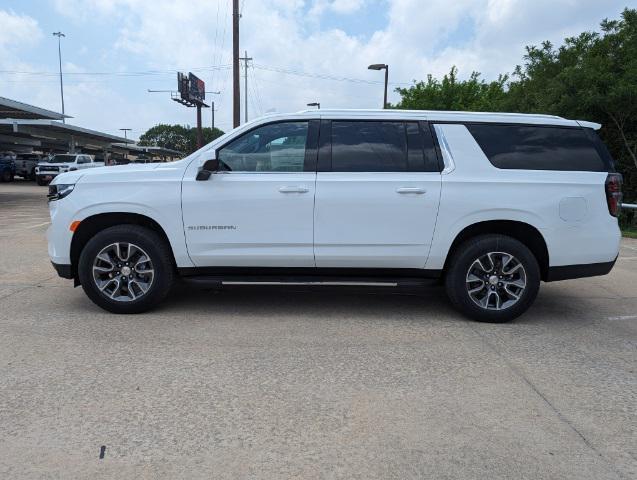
(414, 190)
(293, 190)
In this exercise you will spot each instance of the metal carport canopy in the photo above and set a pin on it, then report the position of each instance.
(53, 134)
(14, 109)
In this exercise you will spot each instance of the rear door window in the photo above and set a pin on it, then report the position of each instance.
(529, 147)
(380, 146)
(362, 146)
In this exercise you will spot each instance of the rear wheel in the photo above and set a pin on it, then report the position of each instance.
(492, 278)
(126, 269)
(7, 176)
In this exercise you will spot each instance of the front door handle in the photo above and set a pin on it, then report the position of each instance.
(414, 190)
(293, 190)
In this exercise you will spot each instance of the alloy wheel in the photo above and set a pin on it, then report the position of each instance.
(496, 281)
(123, 272)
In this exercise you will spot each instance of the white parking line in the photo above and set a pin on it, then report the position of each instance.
(38, 225)
(624, 317)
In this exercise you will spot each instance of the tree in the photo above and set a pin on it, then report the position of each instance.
(453, 94)
(177, 137)
(590, 77)
(593, 77)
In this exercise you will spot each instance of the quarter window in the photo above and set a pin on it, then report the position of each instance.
(277, 147)
(537, 148)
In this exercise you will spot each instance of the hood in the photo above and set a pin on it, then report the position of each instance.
(110, 172)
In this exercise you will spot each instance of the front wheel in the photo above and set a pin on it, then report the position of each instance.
(126, 269)
(492, 278)
(7, 176)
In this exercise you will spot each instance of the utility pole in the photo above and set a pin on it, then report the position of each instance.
(246, 59)
(213, 117)
(60, 35)
(236, 100)
(199, 131)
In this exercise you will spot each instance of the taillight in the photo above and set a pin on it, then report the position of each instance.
(614, 193)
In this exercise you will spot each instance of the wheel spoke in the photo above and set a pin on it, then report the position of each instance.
(516, 283)
(507, 289)
(514, 269)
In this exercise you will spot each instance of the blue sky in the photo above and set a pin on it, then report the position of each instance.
(312, 50)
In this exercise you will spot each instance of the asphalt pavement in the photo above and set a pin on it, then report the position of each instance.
(270, 382)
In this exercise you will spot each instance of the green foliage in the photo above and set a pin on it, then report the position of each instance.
(177, 137)
(590, 77)
(452, 94)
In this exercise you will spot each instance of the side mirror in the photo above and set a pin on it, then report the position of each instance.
(208, 168)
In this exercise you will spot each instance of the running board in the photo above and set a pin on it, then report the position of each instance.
(211, 281)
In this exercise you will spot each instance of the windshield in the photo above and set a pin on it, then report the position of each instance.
(62, 159)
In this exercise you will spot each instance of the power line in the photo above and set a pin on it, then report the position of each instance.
(119, 73)
(214, 49)
(257, 89)
(323, 76)
(223, 43)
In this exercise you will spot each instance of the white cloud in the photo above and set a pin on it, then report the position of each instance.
(343, 7)
(18, 29)
(417, 38)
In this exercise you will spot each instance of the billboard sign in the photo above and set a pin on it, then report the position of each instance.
(197, 88)
(191, 88)
(182, 85)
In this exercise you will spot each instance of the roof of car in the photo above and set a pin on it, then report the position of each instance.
(448, 116)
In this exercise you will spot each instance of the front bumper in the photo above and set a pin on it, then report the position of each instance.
(64, 271)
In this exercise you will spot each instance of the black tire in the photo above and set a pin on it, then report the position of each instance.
(31, 175)
(155, 247)
(465, 256)
(6, 176)
(40, 182)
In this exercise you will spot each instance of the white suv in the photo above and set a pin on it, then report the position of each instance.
(50, 168)
(490, 204)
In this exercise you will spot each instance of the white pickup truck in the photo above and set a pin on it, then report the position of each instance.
(47, 170)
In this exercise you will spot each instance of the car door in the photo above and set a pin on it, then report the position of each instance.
(377, 194)
(82, 161)
(257, 210)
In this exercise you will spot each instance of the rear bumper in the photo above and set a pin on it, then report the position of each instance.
(567, 272)
(64, 271)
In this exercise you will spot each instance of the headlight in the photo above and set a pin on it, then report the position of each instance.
(58, 192)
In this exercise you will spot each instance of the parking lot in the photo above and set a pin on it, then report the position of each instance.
(273, 382)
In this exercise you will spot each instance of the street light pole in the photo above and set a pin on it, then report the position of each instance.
(382, 66)
(126, 130)
(60, 35)
(386, 82)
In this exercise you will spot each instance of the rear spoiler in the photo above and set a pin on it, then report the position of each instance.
(585, 124)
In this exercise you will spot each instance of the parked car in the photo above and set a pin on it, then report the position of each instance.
(25, 164)
(488, 204)
(68, 162)
(7, 166)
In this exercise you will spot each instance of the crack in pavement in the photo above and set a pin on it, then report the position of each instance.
(555, 410)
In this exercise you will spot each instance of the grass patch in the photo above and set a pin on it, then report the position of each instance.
(629, 231)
